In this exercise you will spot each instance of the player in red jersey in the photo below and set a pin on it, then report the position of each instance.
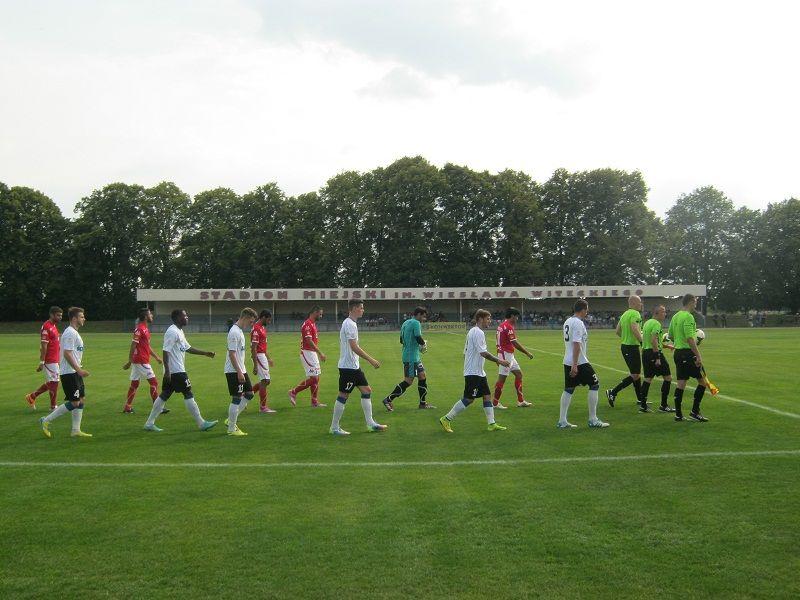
(261, 360)
(310, 357)
(506, 344)
(49, 357)
(139, 358)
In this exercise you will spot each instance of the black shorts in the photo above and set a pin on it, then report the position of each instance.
(651, 369)
(413, 369)
(349, 379)
(72, 384)
(633, 358)
(177, 382)
(237, 388)
(476, 386)
(585, 376)
(684, 365)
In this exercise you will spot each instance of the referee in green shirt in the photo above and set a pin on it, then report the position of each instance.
(413, 344)
(630, 332)
(653, 361)
(688, 362)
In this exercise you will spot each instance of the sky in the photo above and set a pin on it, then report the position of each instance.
(238, 93)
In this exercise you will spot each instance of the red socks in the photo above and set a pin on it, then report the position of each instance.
(153, 388)
(42, 389)
(52, 387)
(131, 393)
(314, 385)
(498, 391)
(518, 385)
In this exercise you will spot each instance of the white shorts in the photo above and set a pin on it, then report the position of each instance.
(514, 366)
(141, 372)
(262, 366)
(52, 372)
(310, 360)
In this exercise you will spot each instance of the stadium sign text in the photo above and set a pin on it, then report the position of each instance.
(418, 294)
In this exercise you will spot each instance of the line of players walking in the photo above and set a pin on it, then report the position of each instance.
(61, 360)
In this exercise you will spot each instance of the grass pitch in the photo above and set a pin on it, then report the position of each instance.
(290, 511)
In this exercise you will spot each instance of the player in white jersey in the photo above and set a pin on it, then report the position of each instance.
(577, 369)
(175, 348)
(239, 386)
(350, 373)
(72, 375)
(475, 382)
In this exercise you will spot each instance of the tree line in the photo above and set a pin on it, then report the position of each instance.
(407, 224)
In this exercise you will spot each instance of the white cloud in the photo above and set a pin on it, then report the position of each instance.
(240, 93)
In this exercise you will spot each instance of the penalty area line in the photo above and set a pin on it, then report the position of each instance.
(689, 387)
(405, 464)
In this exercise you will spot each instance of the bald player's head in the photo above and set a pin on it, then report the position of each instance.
(635, 302)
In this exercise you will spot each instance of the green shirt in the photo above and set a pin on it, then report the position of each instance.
(409, 332)
(652, 327)
(681, 328)
(628, 318)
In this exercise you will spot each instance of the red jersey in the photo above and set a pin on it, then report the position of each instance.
(141, 337)
(51, 336)
(258, 336)
(506, 337)
(308, 330)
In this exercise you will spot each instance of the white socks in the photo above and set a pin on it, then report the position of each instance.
(243, 404)
(158, 406)
(194, 410)
(366, 406)
(489, 410)
(566, 398)
(457, 409)
(338, 410)
(77, 415)
(59, 410)
(233, 413)
(593, 405)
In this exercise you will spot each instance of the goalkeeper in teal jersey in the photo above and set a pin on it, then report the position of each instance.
(413, 346)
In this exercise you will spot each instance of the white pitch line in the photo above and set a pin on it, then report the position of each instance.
(406, 464)
(725, 396)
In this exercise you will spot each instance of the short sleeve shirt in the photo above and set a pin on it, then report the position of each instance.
(141, 337)
(681, 328)
(575, 331)
(175, 345)
(347, 358)
(258, 336)
(409, 332)
(652, 328)
(626, 321)
(308, 331)
(475, 344)
(50, 335)
(71, 340)
(235, 345)
(506, 337)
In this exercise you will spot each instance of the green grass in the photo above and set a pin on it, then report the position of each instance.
(723, 526)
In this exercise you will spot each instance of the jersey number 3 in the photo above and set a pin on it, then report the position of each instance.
(566, 333)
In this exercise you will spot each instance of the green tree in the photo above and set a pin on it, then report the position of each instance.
(36, 241)
(519, 248)
(780, 258)
(165, 211)
(400, 201)
(739, 272)
(110, 249)
(468, 226)
(695, 238)
(564, 237)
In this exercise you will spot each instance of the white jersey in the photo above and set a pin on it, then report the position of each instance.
(347, 358)
(175, 345)
(70, 340)
(575, 331)
(236, 344)
(475, 344)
